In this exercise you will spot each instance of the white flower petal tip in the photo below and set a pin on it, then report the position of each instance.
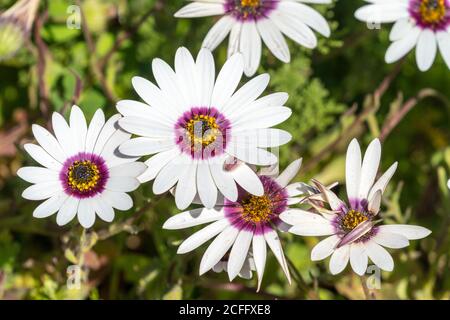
(411, 232)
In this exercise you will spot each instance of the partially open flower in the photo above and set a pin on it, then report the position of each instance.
(352, 228)
(15, 26)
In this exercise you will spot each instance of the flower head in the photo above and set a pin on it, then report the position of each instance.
(353, 230)
(15, 26)
(83, 174)
(196, 126)
(249, 21)
(244, 226)
(424, 24)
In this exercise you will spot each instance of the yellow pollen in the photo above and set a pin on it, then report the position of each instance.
(83, 176)
(432, 11)
(250, 3)
(257, 209)
(352, 219)
(202, 130)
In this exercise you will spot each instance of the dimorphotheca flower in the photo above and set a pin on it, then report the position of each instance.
(421, 23)
(352, 229)
(244, 225)
(247, 21)
(82, 174)
(193, 124)
(15, 26)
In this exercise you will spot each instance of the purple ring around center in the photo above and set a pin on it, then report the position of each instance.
(103, 173)
(246, 14)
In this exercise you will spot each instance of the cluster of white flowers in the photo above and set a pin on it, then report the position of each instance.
(206, 137)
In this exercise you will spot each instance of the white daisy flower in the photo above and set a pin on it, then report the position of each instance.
(249, 21)
(352, 230)
(193, 125)
(82, 173)
(424, 24)
(244, 227)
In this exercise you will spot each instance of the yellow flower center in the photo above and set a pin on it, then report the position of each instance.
(250, 3)
(432, 11)
(352, 219)
(257, 209)
(83, 176)
(202, 130)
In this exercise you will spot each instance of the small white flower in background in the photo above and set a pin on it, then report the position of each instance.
(194, 124)
(424, 24)
(352, 230)
(247, 21)
(243, 226)
(82, 173)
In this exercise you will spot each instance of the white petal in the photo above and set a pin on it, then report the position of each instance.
(145, 127)
(358, 258)
(206, 73)
(224, 181)
(248, 179)
(218, 248)
(238, 253)
(263, 118)
(274, 243)
(339, 259)
(298, 216)
(200, 9)
(383, 181)
(324, 248)
(193, 218)
(42, 157)
(426, 50)
(169, 175)
(186, 188)
(37, 174)
(48, 142)
(375, 202)
(274, 40)
(391, 240)
(227, 81)
(78, 127)
(263, 138)
(144, 146)
(118, 200)
(105, 134)
(382, 13)
(218, 32)
(202, 236)
(185, 70)
(103, 209)
(50, 206)
(122, 184)
(289, 173)
(317, 227)
(133, 169)
(443, 39)
(207, 190)
(86, 213)
(63, 134)
(294, 29)
(307, 15)
(259, 255)
(234, 40)
(379, 256)
(67, 211)
(400, 29)
(250, 46)
(369, 168)
(353, 169)
(400, 48)
(408, 231)
(251, 155)
(157, 162)
(95, 127)
(43, 190)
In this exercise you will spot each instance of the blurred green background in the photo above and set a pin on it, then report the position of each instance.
(333, 94)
